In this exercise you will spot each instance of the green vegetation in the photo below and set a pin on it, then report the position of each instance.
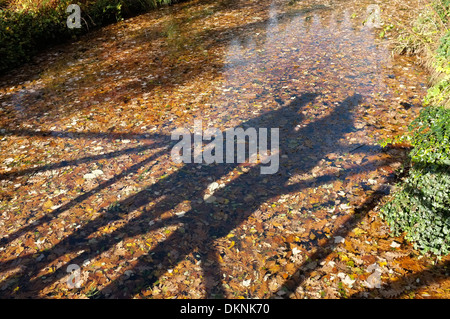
(29, 26)
(421, 206)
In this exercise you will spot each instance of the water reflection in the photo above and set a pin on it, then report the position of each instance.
(321, 48)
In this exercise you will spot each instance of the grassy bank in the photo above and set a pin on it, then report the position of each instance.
(421, 206)
(27, 26)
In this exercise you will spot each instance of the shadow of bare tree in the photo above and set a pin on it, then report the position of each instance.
(200, 227)
(303, 144)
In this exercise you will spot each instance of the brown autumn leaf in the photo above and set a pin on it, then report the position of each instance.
(272, 266)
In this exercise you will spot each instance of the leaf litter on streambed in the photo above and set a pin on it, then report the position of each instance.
(87, 177)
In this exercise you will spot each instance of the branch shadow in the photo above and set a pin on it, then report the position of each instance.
(54, 214)
(200, 228)
(303, 273)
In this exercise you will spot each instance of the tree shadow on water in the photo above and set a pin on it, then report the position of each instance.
(201, 228)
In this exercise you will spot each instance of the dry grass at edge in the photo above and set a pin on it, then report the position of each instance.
(420, 36)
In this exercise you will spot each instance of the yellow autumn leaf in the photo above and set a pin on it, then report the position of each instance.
(277, 224)
(19, 250)
(290, 268)
(358, 231)
(273, 267)
(48, 205)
